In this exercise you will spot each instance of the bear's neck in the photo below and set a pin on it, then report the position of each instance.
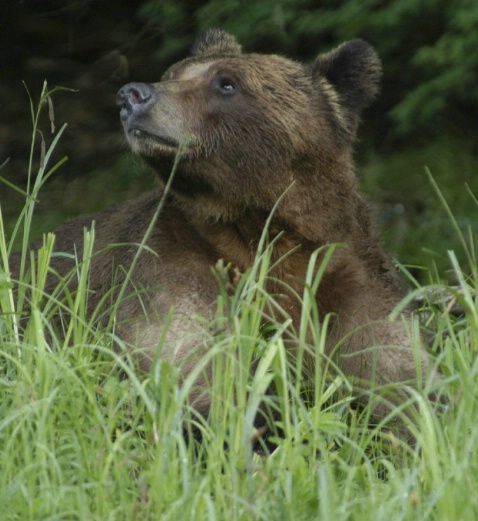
(240, 240)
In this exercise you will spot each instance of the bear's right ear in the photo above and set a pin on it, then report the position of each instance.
(216, 42)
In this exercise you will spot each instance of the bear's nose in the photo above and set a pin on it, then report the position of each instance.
(135, 99)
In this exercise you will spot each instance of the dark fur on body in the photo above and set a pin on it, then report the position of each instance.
(253, 127)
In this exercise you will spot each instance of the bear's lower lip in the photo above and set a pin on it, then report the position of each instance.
(142, 134)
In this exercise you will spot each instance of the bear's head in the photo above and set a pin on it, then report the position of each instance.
(246, 126)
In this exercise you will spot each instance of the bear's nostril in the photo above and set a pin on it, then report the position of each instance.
(137, 97)
(120, 99)
(134, 94)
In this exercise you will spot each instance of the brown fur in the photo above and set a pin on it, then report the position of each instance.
(284, 127)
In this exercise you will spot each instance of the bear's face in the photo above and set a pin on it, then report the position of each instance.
(247, 125)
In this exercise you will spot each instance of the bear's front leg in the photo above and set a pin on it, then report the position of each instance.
(385, 360)
(175, 326)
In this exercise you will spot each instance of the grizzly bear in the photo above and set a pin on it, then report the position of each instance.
(241, 139)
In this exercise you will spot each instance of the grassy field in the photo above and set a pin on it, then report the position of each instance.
(85, 436)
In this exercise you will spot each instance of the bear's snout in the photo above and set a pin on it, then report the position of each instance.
(135, 99)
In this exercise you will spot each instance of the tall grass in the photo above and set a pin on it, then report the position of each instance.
(85, 436)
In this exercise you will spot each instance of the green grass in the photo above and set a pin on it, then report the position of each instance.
(85, 436)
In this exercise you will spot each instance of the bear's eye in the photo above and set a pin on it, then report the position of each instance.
(225, 86)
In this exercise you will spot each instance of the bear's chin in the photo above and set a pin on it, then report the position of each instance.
(184, 182)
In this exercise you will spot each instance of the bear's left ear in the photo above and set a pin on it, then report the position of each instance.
(216, 42)
(354, 70)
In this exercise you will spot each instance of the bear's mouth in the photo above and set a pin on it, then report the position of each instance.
(147, 136)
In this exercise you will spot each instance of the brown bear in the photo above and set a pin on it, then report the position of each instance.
(247, 135)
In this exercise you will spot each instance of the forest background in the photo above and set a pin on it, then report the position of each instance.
(425, 117)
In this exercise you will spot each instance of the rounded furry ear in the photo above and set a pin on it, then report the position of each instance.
(354, 70)
(216, 42)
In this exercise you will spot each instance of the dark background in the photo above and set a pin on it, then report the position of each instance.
(426, 115)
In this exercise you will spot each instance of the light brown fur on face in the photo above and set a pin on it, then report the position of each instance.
(251, 129)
